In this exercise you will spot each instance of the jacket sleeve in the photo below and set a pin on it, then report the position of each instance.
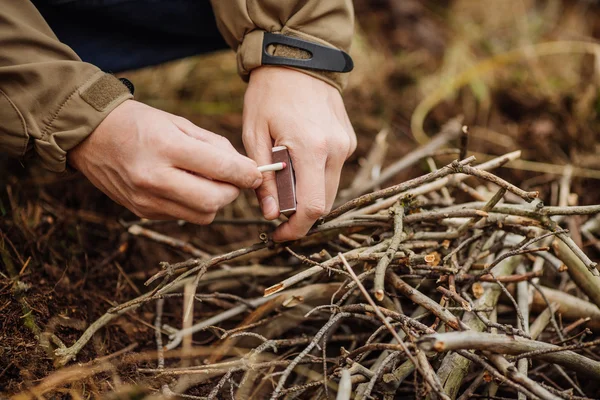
(50, 100)
(243, 22)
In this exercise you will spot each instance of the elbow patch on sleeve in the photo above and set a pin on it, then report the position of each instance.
(13, 130)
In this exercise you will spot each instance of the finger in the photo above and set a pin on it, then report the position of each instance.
(196, 132)
(195, 193)
(259, 148)
(333, 171)
(166, 210)
(353, 143)
(347, 127)
(310, 195)
(213, 162)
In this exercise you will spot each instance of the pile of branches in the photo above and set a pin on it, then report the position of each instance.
(401, 292)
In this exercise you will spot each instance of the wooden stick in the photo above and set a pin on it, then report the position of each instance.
(523, 302)
(402, 187)
(432, 186)
(513, 345)
(450, 131)
(384, 262)
(427, 373)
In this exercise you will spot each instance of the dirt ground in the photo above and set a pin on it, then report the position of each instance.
(65, 244)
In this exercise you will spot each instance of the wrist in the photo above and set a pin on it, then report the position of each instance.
(295, 50)
(288, 79)
(76, 157)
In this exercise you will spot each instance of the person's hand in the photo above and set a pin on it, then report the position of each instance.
(161, 166)
(289, 108)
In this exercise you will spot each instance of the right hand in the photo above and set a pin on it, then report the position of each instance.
(161, 166)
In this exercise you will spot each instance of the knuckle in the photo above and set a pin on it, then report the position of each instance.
(248, 140)
(159, 140)
(143, 180)
(224, 198)
(168, 147)
(290, 233)
(315, 209)
(252, 163)
(294, 236)
(249, 180)
(183, 124)
(300, 233)
(342, 141)
(181, 120)
(230, 195)
(224, 167)
(211, 206)
(207, 218)
(351, 135)
(142, 212)
(353, 145)
(320, 146)
(223, 141)
(343, 149)
(296, 232)
(338, 156)
(137, 212)
(201, 219)
(246, 175)
(142, 204)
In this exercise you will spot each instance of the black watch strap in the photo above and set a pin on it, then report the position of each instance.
(323, 58)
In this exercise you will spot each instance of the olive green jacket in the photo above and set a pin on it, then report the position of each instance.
(50, 100)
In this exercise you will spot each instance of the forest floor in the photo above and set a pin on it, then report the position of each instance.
(66, 253)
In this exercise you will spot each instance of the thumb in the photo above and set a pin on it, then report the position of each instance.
(258, 146)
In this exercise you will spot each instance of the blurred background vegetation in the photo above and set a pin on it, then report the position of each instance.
(522, 73)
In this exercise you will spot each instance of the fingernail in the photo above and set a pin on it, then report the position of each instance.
(269, 206)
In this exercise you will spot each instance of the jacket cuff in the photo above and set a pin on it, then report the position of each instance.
(249, 56)
(77, 117)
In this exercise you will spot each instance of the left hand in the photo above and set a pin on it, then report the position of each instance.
(284, 107)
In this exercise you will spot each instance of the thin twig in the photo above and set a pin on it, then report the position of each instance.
(402, 187)
(384, 262)
(431, 380)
